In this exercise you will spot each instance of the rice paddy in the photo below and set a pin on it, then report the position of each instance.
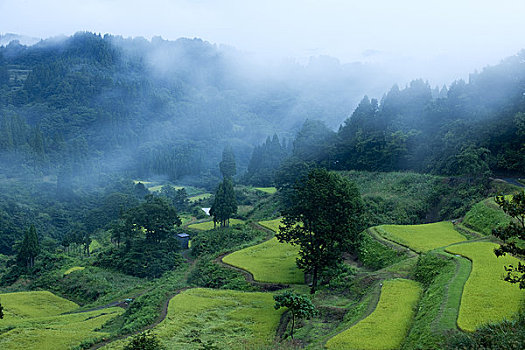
(208, 225)
(422, 238)
(387, 325)
(486, 296)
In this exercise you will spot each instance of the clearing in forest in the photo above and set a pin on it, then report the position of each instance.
(422, 238)
(486, 296)
(34, 320)
(208, 225)
(387, 325)
(269, 190)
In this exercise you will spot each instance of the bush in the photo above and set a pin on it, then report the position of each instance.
(428, 267)
(223, 239)
(144, 341)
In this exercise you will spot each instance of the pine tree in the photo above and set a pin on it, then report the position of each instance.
(227, 165)
(29, 249)
(224, 205)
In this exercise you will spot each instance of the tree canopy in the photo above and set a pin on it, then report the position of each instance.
(224, 204)
(324, 220)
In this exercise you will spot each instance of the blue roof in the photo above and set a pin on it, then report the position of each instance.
(183, 235)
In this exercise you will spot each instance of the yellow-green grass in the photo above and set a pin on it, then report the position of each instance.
(73, 269)
(145, 183)
(272, 224)
(270, 261)
(34, 304)
(422, 238)
(486, 215)
(387, 325)
(94, 245)
(199, 197)
(486, 296)
(54, 332)
(34, 320)
(229, 319)
(208, 225)
(269, 190)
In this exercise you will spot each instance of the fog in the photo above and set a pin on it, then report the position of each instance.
(437, 41)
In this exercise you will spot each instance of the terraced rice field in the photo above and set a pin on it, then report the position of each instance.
(272, 224)
(422, 238)
(199, 197)
(269, 190)
(73, 269)
(208, 225)
(387, 325)
(270, 261)
(486, 297)
(34, 320)
(226, 319)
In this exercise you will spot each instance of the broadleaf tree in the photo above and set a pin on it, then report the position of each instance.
(325, 219)
(300, 306)
(513, 236)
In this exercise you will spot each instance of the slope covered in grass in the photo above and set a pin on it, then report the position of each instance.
(270, 261)
(486, 296)
(485, 216)
(387, 325)
(272, 224)
(33, 320)
(422, 238)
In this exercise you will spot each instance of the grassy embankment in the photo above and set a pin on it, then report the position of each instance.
(208, 225)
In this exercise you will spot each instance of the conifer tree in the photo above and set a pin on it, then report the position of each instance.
(29, 249)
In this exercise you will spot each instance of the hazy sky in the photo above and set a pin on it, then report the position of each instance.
(437, 40)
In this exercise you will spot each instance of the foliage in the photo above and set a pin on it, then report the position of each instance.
(29, 249)
(485, 216)
(272, 224)
(224, 204)
(424, 237)
(209, 274)
(300, 306)
(73, 269)
(398, 302)
(513, 236)
(324, 221)
(485, 287)
(507, 335)
(144, 341)
(270, 261)
(375, 255)
(428, 267)
(269, 190)
(227, 164)
(222, 240)
(265, 161)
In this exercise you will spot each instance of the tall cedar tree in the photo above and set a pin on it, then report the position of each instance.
(325, 219)
(29, 249)
(513, 236)
(227, 165)
(224, 205)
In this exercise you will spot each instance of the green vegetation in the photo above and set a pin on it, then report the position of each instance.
(300, 306)
(486, 296)
(272, 224)
(208, 225)
(398, 302)
(422, 238)
(35, 318)
(485, 216)
(269, 190)
(198, 197)
(73, 269)
(270, 261)
(376, 255)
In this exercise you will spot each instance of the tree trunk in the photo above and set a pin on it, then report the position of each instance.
(314, 281)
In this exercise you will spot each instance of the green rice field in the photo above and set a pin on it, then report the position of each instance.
(387, 325)
(486, 296)
(270, 261)
(73, 269)
(422, 238)
(34, 320)
(199, 197)
(272, 224)
(269, 190)
(208, 225)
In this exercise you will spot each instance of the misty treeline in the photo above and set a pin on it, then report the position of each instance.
(88, 105)
(473, 130)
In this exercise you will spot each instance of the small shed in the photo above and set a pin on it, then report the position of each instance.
(184, 240)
